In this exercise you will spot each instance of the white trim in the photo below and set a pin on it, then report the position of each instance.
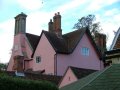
(21, 74)
(115, 39)
(85, 51)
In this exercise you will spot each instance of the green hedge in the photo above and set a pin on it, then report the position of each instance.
(10, 83)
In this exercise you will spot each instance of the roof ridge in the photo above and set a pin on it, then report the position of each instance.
(83, 29)
(95, 77)
(32, 34)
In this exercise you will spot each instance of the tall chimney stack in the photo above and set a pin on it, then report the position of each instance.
(100, 40)
(50, 26)
(20, 23)
(57, 24)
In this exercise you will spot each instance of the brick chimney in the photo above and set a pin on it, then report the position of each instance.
(50, 26)
(100, 40)
(20, 23)
(55, 26)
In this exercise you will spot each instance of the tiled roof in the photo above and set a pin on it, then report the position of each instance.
(107, 79)
(64, 44)
(67, 43)
(117, 44)
(73, 38)
(59, 44)
(80, 72)
(33, 76)
(33, 40)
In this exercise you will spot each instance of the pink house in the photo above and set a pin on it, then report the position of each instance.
(73, 74)
(52, 52)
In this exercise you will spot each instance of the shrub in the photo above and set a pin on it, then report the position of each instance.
(10, 83)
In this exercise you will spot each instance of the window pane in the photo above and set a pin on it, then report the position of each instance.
(38, 59)
(85, 51)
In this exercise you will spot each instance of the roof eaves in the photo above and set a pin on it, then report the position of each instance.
(94, 44)
(37, 44)
(29, 43)
(114, 51)
(81, 35)
(50, 42)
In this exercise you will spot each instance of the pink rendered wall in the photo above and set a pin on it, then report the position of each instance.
(68, 78)
(77, 60)
(17, 51)
(28, 64)
(22, 46)
(28, 48)
(46, 52)
(10, 65)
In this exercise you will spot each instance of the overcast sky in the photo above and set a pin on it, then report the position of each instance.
(39, 12)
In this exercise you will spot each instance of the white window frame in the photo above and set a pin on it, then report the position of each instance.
(16, 47)
(85, 51)
(38, 59)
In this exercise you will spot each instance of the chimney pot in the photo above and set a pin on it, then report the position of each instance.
(55, 14)
(50, 20)
(58, 13)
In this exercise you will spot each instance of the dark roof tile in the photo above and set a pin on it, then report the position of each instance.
(65, 44)
(33, 40)
(73, 38)
(81, 72)
(59, 44)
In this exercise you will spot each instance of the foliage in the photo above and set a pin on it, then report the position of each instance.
(3, 66)
(10, 83)
(88, 21)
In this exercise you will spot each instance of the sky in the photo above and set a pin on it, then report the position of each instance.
(39, 12)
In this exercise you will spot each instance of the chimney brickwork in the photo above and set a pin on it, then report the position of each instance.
(55, 26)
(100, 40)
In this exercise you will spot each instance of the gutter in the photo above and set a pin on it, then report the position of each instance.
(55, 64)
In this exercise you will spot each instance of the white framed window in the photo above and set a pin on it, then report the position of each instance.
(15, 47)
(85, 51)
(38, 59)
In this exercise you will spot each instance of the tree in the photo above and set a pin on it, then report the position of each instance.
(3, 66)
(95, 29)
(88, 21)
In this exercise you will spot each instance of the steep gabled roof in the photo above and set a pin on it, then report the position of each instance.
(73, 38)
(116, 41)
(33, 40)
(81, 72)
(68, 42)
(107, 79)
(59, 44)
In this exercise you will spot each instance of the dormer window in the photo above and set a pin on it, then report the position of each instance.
(38, 59)
(85, 51)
